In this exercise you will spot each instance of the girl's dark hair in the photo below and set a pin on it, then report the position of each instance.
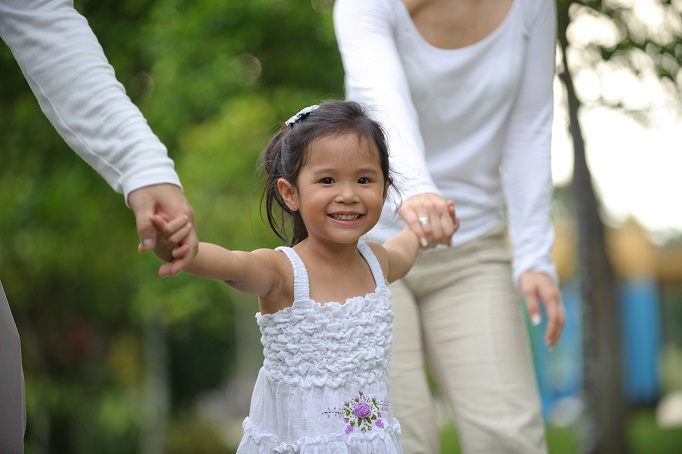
(287, 152)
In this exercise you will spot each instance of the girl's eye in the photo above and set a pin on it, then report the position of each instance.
(326, 181)
(364, 180)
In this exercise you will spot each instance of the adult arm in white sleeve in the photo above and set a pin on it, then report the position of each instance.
(77, 90)
(374, 76)
(527, 178)
(526, 168)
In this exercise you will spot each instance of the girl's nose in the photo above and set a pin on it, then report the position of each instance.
(347, 194)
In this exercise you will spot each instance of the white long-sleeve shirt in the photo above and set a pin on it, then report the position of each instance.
(472, 124)
(77, 90)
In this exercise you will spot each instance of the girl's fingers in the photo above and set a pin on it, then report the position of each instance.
(180, 251)
(178, 235)
(166, 270)
(448, 225)
(453, 216)
(174, 225)
(158, 221)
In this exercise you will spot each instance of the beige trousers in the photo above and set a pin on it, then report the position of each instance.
(458, 311)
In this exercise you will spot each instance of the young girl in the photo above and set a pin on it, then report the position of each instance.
(325, 314)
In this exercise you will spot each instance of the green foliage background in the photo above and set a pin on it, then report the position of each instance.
(117, 360)
(214, 79)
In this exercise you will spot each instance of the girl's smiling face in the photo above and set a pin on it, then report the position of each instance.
(340, 189)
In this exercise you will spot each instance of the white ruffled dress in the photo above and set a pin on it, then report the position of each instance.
(323, 387)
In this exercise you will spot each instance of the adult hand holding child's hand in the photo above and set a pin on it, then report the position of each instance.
(431, 218)
(169, 203)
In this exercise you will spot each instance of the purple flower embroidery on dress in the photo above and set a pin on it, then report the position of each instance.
(360, 412)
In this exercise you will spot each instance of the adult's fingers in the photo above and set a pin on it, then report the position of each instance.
(533, 307)
(556, 316)
(428, 217)
(537, 286)
(411, 216)
(144, 209)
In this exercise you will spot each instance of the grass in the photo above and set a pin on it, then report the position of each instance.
(643, 437)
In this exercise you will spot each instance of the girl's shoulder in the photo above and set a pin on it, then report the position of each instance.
(282, 292)
(276, 259)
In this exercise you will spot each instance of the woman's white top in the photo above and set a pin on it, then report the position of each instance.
(472, 124)
(77, 90)
(323, 387)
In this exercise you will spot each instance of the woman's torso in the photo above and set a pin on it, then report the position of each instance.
(463, 98)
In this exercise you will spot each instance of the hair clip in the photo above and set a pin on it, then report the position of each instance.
(302, 113)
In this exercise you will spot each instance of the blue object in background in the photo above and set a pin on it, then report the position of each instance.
(640, 339)
(559, 372)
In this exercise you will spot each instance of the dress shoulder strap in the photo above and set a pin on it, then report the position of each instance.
(301, 282)
(373, 263)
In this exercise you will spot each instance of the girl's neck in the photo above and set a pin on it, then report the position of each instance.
(336, 271)
(326, 252)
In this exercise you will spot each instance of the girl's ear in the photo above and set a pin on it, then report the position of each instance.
(288, 193)
(388, 185)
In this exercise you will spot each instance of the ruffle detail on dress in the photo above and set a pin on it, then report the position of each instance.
(332, 345)
(376, 442)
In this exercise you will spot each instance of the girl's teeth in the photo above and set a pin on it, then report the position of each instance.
(346, 217)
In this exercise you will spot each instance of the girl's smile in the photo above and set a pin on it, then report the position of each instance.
(341, 217)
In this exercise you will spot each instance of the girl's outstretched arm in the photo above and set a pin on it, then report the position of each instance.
(250, 272)
(402, 251)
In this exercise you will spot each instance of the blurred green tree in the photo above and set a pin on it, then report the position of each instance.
(107, 345)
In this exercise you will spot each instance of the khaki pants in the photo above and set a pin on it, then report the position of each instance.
(12, 410)
(458, 311)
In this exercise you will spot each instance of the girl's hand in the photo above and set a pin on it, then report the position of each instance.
(169, 246)
(168, 201)
(431, 218)
(539, 286)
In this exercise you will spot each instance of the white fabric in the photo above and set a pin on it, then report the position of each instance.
(320, 360)
(457, 117)
(77, 90)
